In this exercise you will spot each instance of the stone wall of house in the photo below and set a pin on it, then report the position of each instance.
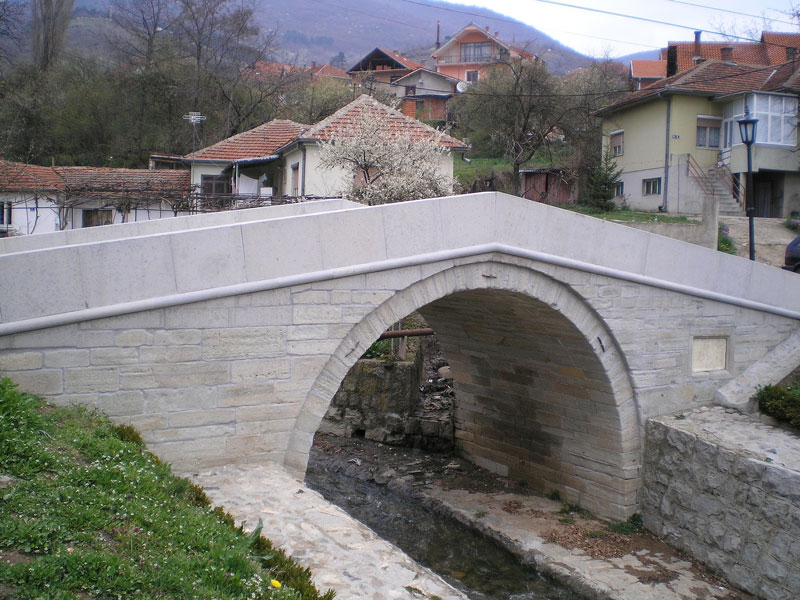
(726, 490)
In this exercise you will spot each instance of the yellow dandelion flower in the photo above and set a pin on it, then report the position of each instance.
(275, 583)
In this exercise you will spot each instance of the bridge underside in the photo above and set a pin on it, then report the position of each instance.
(533, 401)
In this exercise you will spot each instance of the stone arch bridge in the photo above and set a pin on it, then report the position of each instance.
(224, 337)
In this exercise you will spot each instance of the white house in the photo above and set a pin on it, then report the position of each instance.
(280, 158)
(36, 199)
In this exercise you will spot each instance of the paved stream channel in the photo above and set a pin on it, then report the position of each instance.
(474, 564)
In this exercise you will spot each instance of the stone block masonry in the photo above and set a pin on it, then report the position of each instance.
(726, 489)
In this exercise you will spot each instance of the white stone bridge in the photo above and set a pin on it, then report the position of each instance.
(224, 337)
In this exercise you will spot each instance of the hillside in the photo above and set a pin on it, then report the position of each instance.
(313, 30)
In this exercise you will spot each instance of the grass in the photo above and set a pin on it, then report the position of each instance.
(634, 216)
(87, 512)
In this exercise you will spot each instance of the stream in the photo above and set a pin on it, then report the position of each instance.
(469, 561)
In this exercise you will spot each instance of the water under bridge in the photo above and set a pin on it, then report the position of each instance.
(224, 337)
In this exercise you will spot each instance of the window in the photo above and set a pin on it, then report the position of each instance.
(476, 52)
(472, 76)
(776, 114)
(394, 78)
(619, 189)
(411, 90)
(651, 187)
(95, 217)
(617, 143)
(708, 131)
(5, 213)
(212, 185)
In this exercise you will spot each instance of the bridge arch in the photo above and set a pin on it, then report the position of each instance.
(542, 388)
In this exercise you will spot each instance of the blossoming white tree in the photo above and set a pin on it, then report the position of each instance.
(385, 166)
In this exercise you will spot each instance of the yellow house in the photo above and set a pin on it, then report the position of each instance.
(677, 140)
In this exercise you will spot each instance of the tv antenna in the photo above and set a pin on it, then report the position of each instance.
(194, 118)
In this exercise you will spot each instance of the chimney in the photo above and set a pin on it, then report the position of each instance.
(487, 29)
(438, 30)
(672, 60)
(497, 34)
(726, 53)
(313, 64)
(791, 53)
(697, 44)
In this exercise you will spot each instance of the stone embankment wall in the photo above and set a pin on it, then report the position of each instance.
(381, 400)
(727, 490)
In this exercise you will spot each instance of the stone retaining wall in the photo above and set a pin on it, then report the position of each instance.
(381, 401)
(735, 509)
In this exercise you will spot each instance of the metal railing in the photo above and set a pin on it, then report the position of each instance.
(700, 177)
(724, 175)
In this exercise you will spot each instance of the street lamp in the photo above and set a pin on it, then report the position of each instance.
(747, 131)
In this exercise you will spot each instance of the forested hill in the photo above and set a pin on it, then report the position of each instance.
(317, 30)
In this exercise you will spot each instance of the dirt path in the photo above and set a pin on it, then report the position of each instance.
(770, 235)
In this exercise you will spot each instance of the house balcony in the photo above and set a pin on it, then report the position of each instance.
(469, 59)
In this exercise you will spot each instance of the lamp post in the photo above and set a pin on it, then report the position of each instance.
(747, 131)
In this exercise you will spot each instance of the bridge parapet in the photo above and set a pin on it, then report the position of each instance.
(125, 274)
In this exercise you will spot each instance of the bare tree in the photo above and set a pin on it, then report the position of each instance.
(49, 27)
(515, 111)
(142, 28)
(11, 12)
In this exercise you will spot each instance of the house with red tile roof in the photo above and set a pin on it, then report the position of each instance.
(246, 165)
(303, 174)
(773, 48)
(36, 199)
(470, 52)
(644, 72)
(380, 68)
(678, 143)
(425, 93)
(280, 158)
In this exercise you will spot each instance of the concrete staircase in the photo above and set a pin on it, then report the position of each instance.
(729, 205)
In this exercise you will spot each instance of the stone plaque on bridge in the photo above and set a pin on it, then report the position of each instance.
(709, 354)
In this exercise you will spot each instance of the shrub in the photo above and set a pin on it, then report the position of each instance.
(780, 403)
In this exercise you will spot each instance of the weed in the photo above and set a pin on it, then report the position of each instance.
(480, 514)
(379, 349)
(568, 520)
(554, 495)
(571, 509)
(724, 241)
(631, 526)
(128, 433)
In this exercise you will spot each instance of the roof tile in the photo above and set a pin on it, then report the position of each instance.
(392, 123)
(258, 142)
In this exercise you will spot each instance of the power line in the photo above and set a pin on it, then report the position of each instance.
(644, 19)
(733, 12)
(515, 22)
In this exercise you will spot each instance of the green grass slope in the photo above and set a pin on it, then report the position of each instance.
(86, 512)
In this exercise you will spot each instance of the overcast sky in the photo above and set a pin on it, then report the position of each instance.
(583, 29)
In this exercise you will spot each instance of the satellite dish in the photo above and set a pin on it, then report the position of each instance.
(461, 87)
